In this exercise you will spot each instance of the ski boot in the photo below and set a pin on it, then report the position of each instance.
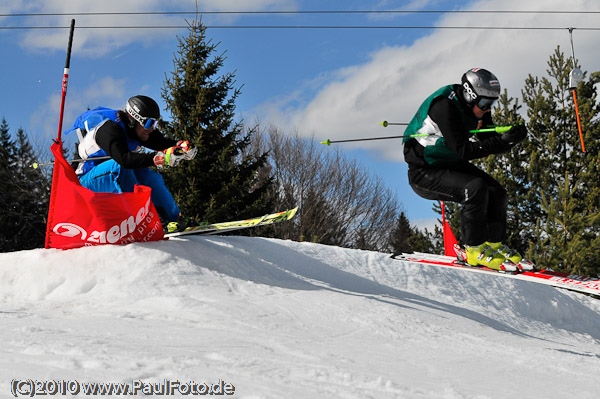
(524, 265)
(181, 224)
(484, 255)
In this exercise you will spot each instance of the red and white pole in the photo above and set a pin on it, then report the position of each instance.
(55, 174)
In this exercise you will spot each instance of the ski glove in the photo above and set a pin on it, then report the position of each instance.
(515, 135)
(189, 150)
(173, 155)
(169, 157)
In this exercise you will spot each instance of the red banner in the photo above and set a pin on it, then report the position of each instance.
(80, 217)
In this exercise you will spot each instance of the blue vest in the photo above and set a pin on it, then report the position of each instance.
(89, 122)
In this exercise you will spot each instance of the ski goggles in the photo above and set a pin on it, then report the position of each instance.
(485, 103)
(147, 123)
(150, 123)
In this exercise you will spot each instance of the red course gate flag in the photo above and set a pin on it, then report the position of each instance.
(449, 238)
(80, 217)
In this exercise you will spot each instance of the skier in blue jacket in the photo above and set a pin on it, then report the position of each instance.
(120, 136)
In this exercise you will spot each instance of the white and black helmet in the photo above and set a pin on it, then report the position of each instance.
(480, 87)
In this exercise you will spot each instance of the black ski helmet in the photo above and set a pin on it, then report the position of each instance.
(143, 108)
(480, 87)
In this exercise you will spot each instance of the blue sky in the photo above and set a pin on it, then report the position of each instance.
(323, 83)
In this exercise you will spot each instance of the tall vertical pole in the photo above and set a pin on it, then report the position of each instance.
(65, 81)
(575, 77)
(578, 121)
(55, 174)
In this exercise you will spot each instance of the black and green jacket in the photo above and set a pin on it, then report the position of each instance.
(447, 119)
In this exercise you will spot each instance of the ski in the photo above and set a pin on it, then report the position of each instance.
(446, 261)
(573, 282)
(218, 228)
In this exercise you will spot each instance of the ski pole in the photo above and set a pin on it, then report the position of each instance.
(329, 142)
(37, 165)
(497, 129)
(386, 123)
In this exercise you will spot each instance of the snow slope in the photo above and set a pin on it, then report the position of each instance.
(281, 319)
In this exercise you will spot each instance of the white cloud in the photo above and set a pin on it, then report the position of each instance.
(429, 224)
(246, 5)
(392, 84)
(99, 42)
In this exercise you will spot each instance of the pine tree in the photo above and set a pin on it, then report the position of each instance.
(223, 182)
(400, 235)
(7, 198)
(425, 241)
(405, 238)
(566, 180)
(33, 191)
(6, 149)
(24, 201)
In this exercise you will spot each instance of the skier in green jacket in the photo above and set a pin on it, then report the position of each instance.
(439, 167)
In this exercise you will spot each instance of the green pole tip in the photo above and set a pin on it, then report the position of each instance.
(497, 129)
(384, 123)
(35, 165)
(328, 142)
(502, 129)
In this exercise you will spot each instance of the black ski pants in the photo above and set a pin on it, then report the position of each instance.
(483, 199)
